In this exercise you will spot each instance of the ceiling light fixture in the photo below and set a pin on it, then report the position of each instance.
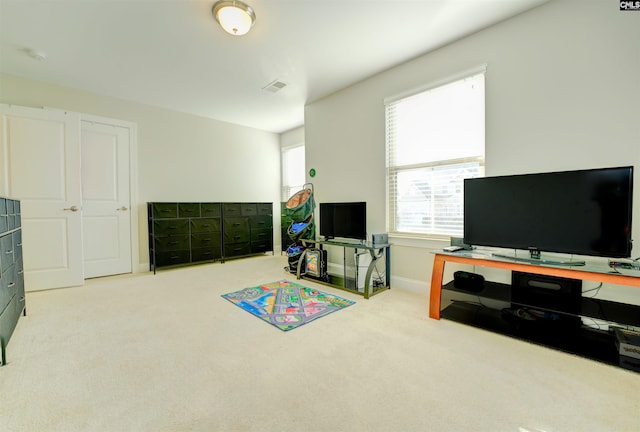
(235, 17)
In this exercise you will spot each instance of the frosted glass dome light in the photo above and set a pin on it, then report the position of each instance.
(235, 17)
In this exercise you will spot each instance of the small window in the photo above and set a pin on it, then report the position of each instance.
(435, 139)
(293, 171)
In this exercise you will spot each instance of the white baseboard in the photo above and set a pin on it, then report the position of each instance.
(406, 284)
(412, 285)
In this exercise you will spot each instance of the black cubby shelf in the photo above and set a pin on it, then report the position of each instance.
(583, 341)
(557, 316)
(565, 335)
(604, 310)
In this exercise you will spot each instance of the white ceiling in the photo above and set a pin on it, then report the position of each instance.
(173, 54)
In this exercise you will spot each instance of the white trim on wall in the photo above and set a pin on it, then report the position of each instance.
(437, 83)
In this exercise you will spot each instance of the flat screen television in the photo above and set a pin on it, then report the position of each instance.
(343, 219)
(583, 212)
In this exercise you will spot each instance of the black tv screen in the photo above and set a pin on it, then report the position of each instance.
(343, 219)
(584, 212)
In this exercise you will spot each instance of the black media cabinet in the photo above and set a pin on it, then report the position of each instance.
(565, 332)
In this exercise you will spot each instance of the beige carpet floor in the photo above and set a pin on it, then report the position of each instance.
(167, 353)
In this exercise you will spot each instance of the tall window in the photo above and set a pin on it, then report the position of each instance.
(435, 139)
(293, 171)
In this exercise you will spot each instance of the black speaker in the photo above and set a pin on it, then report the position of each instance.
(548, 292)
(466, 281)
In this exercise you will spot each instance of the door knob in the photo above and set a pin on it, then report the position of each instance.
(123, 208)
(72, 208)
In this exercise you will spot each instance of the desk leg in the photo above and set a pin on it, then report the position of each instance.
(303, 256)
(367, 278)
(436, 287)
(387, 266)
(375, 256)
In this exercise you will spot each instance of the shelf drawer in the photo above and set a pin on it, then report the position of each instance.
(201, 240)
(170, 227)
(262, 235)
(8, 319)
(206, 254)
(265, 209)
(8, 286)
(261, 246)
(261, 222)
(188, 210)
(164, 210)
(210, 209)
(19, 299)
(6, 252)
(205, 225)
(13, 214)
(231, 209)
(17, 246)
(236, 224)
(236, 236)
(238, 249)
(248, 209)
(285, 239)
(171, 243)
(172, 258)
(19, 278)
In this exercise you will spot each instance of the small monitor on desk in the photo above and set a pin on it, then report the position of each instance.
(344, 220)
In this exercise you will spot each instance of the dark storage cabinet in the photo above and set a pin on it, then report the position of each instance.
(285, 223)
(185, 233)
(12, 298)
(248, 228)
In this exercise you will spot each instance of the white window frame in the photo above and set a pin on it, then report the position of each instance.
(289, 186)
(393, 169)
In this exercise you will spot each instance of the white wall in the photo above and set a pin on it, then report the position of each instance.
(562, 92)
(181, 157)
(292, 137)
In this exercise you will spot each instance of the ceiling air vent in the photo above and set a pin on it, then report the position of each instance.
(274, 86)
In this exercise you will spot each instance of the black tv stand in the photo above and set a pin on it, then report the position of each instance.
(570, 333)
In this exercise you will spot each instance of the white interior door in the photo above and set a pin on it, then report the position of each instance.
(40, 163)
(106, 217)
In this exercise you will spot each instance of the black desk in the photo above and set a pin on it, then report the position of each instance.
(376, 251)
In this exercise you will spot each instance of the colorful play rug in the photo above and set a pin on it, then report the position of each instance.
(285, 304)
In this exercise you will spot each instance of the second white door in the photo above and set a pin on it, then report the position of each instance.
(106, 217)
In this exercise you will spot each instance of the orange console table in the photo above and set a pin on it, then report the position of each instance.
(592, 341)
(592, 272)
